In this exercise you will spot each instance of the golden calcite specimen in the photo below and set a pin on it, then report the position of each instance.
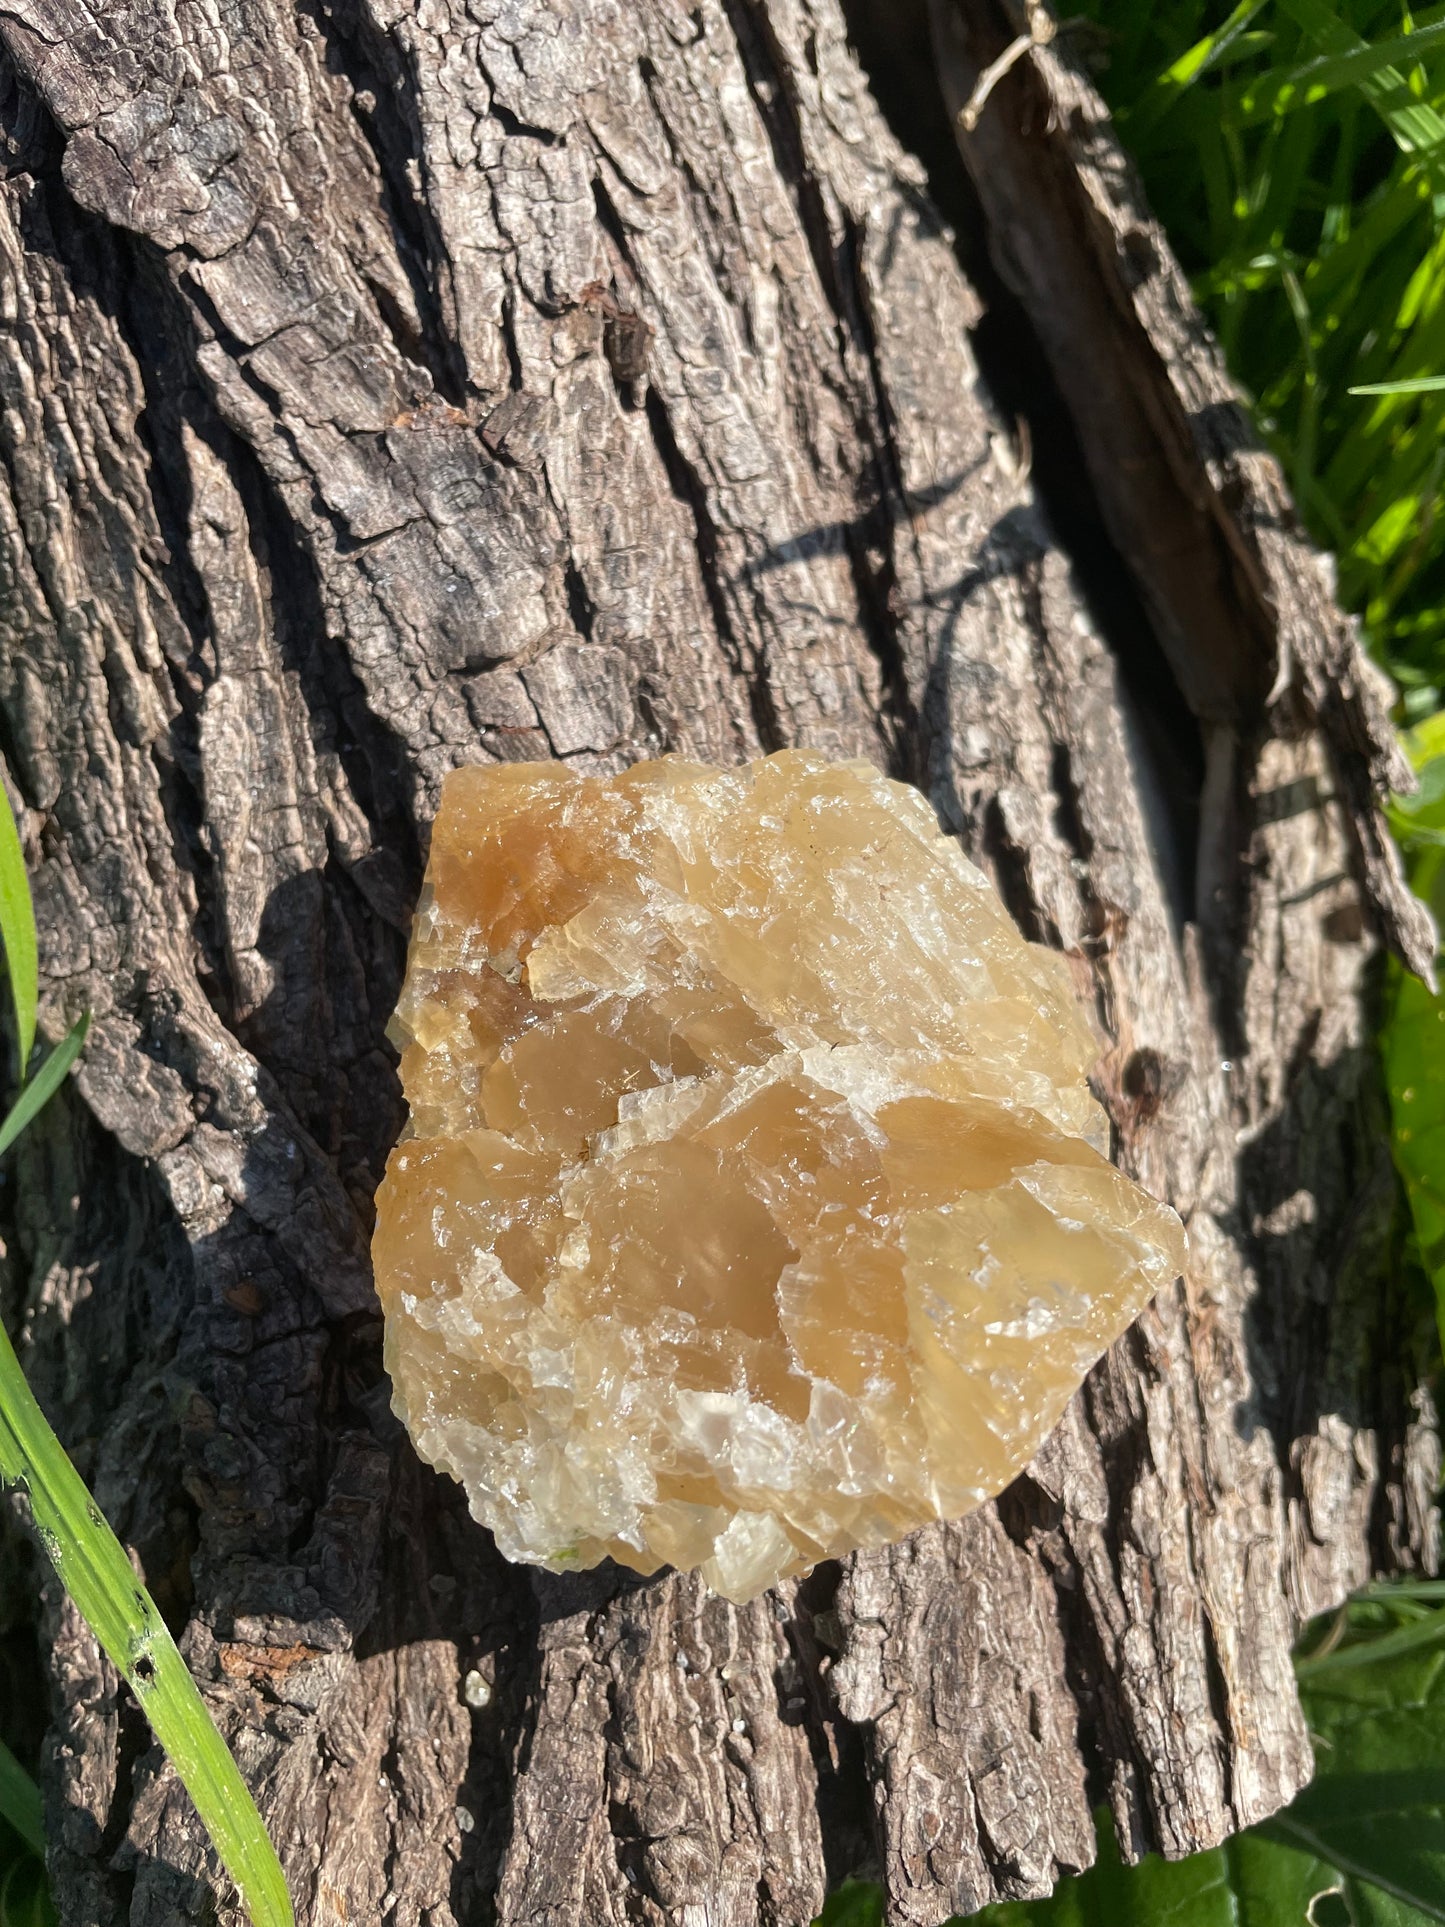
(754, 1205)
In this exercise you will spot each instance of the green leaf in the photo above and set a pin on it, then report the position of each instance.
(1376, 1808)
(857, 1903)
(17, 933)
(45, 1083)
(20, 1801)
(1248, 1882)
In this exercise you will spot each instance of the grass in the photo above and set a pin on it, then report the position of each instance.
(24, 1901)
(91, 1562)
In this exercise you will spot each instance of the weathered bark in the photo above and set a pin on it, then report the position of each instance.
(323, 469)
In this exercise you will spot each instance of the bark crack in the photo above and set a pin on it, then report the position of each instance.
(382, 100)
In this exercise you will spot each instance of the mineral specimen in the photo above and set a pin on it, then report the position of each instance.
(754, 1204)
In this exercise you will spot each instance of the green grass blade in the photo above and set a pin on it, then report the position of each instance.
(17, 932)
(1392, 1591)
(1182, 73)
(1415, 125)
(1412, 1035)
(45, 1083)
(95, 1571)
(1422, 1633)
(1285, 90)
(20, 1801)
(1414, 385)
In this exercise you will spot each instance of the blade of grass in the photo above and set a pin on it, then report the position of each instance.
(17, 932)
(95, 1571)
(1308, 422)
(1415, 385)
(1414, 124)
(1429, 1631)
(1389, 1591)
(45, 1083)
(20, 1801)
(1285, 89)
(1182, 73)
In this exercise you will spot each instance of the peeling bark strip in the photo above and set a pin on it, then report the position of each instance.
(330, 461)
(1243, 611)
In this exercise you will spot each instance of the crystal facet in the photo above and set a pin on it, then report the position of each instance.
(754, 1206)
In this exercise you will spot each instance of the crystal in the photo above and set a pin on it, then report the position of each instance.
(754, 1205)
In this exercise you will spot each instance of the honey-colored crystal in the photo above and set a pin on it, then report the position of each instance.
(754, 1205)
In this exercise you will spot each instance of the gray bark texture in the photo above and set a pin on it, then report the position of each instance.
(392, 384)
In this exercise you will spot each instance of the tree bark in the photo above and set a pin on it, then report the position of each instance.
(326, 464)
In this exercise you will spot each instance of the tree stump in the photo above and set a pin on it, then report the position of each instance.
(388, 387)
